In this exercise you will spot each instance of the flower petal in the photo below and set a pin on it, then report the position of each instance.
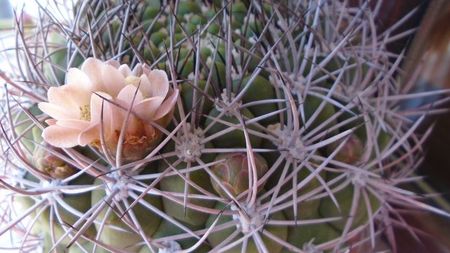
(138, 70)
(145, 69)
(159, 84)
(147, 108)
(127, 94)
(58, 112)
(69, 96)
(97, 99)
(50, 121)
(92, 67)
(113, 80)
(73, 123)
(125, 70)
(61, 96)
(113, 63)
(167, 106)
(61, 137)
(145, 86)
(89, 135)
(76, 77)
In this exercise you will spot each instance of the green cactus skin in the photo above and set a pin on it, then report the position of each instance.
(152, 9)
(311, 104)
(167, 229)
(234, 138)
(47, 245)
(30, 134)
(216, 238)
(234, 173)
(58, 59)
(305, 209)
(86, 246)
(188, 7)
(80, 202)
(23, 203)
(127, 239)
(186, 94)
(218, 73)
(316, 234)
(260, 89)
(177, 184)
(344, 197)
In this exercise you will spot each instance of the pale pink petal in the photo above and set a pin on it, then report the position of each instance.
(69, 96)
(127, 94)
(159, 84)
(50, 121)
(167, 106)
(97, 99)
(113, 63)
(145, 86)
(93, 67)
(137, 70)
(89, 135)
(58, 112)
(59, 97)
(125, 70)
(73, 123)
(147, 108)
(111, 118)
(76, 77)
(146, 69)
(113, 80)
(61, 137)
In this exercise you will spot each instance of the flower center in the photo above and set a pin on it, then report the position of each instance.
(85, 113)
(133, 80)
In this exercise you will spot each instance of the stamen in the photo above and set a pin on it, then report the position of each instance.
(85, 112)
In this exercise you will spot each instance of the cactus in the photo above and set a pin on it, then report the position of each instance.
(203, 126)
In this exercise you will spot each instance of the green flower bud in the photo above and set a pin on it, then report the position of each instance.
(234, 172)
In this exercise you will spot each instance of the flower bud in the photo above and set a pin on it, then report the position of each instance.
(351, 151)
(234, 172)
(51, 164)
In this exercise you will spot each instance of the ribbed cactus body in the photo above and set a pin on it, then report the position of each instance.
(285, 134)
(115, 231)
(217, 238)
